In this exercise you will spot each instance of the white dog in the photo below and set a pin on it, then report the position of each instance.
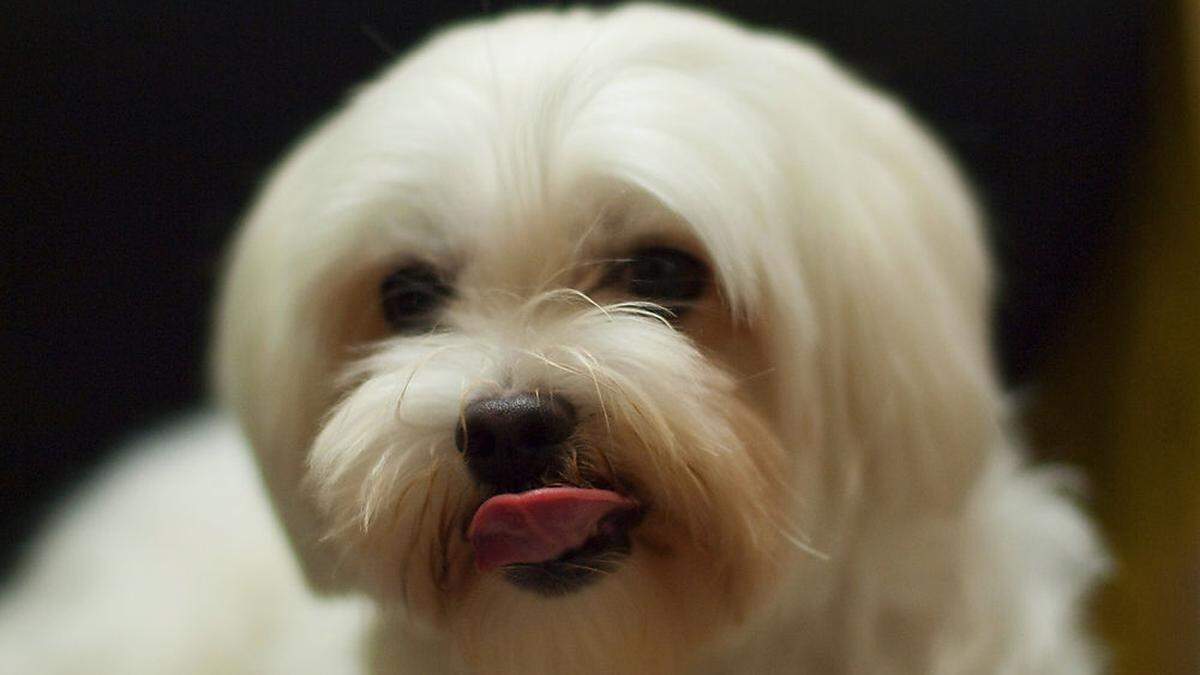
(617, 342)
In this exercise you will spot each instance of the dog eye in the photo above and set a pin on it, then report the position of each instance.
(665, 274)
(412, 295)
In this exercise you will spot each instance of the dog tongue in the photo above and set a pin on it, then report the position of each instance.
(539, 525)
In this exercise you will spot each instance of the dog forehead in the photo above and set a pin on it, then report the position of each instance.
(508, 141)
(521, 142)
(532, 140)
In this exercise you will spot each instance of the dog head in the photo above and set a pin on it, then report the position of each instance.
(576, 337)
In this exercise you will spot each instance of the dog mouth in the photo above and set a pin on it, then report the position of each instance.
(553, 540)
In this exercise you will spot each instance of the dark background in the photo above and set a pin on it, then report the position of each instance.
(134, 134)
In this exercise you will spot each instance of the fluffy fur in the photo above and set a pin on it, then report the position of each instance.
(820, 438)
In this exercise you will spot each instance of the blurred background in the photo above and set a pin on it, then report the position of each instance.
(134, 134)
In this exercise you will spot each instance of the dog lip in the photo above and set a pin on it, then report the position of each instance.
(599, 556)
(541, 525)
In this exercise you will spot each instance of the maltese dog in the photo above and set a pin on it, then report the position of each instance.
(588, 342)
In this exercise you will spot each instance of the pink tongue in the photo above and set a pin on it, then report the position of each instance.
(539, 525)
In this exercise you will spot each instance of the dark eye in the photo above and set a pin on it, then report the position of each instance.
(665, 274)
(412, 295)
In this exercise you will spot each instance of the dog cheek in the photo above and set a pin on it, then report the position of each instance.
(720, 527)
(393, 495)
(417, 563)
(411, 555)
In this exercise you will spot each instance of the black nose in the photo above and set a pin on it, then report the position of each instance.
(510, 442)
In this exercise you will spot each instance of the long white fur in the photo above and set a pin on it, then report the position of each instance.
(857, 506)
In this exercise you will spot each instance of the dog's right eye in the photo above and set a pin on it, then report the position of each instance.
(665, 275)
(412, 295)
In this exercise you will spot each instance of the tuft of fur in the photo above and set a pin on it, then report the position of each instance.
(819, 440)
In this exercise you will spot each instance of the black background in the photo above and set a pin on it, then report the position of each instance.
(134, 134)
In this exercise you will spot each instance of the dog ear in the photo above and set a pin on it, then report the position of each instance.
(880, 316)
(272, 365)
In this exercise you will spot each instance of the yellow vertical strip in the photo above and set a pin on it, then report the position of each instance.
(1123, 398)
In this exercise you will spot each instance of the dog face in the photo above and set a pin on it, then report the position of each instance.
(577, 338)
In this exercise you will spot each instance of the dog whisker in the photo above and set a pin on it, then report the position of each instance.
(428, 482)
(799, 543)
(646, 310)
(412, 374)
(539, 356)
(572, 293)
(590, 364)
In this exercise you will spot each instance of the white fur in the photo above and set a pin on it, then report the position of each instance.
(821, 440)
(171, 563)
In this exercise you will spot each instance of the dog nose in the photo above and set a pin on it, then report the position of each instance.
(510, 441)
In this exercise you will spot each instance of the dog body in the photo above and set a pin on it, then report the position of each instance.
(629, 342)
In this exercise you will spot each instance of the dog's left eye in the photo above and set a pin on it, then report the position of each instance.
(412, 295)
(664, 274)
